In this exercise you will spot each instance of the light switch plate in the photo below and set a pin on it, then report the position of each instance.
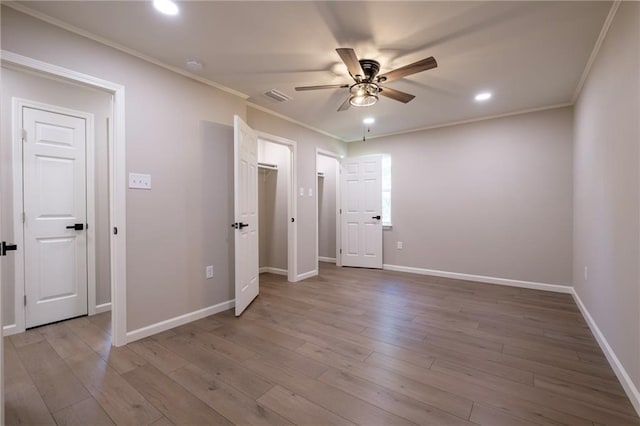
(209, 271)
(302, 191)
(310, 192)
(139, 181)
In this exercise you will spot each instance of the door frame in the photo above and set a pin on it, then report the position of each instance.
(117, 185)
(292, 205)
(337, 157)
(17, 105)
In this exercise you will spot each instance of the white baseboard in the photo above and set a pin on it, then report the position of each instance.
(161, 326)
(327, 259)
(10, 329)
(626, 382)
(306, 275)
(271, 270)
(482, 279)
(105, 307)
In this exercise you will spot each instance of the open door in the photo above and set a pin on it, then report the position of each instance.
(361, 226)
(245, 179)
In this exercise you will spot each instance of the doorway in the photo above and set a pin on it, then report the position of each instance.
(327, 207)
(109, 221)
(276, 201)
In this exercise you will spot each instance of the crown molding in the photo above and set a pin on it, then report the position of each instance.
(472, 120)
(102, 40)
(596, 50)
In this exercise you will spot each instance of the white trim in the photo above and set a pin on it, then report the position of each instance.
(306, 275)
(338, 259)
(270, 270)
(161, 326)
(105, 307)
(292, 203)
(556, 288)
(469, 121)
(10, 329)
(624, 378)
(327, 259)
(71, 28)
(596, 50)
(117, 179)
(17, 106)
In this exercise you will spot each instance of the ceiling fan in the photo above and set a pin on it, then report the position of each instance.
(367, 86)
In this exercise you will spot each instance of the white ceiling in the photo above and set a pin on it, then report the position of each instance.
(529, 54)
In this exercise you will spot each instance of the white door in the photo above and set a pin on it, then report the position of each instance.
(54, 178)
(361, 225)
(246, 213)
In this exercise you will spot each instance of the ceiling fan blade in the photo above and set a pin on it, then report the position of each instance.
(326, 86)
(350, 59)
(416, 67)
(396, 95)
(345, 105)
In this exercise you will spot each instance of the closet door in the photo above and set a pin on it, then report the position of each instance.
(245, 176)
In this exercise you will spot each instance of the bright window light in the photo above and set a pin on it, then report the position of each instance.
(386, 190)
(369, 120)
(167, 7)
(484, 96)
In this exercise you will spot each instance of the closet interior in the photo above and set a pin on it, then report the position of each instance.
(327, 169)
(274, 177)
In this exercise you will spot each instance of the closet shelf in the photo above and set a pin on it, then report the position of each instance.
(320, 174)
(267, 166)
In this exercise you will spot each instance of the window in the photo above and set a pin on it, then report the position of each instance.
(386, 190)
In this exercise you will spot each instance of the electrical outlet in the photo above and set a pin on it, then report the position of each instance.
(302, 191)
(209, 271)
(139, 181)
(310, 192)
(400, 245)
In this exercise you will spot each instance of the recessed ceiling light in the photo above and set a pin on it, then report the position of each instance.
(484, 96)
(369, 120)
(168, 7)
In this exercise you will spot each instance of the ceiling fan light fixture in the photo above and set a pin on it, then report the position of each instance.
(364, 94)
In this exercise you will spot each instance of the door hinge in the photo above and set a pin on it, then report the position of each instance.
(24, 135)
(340, 211)
(340, 251)
(24, 217)
(25, 300)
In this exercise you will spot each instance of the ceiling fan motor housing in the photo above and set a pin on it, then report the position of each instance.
(370, 68)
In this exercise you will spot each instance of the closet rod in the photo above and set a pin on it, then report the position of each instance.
(267, 166)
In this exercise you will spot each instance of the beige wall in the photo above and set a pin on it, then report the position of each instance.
(606, 232)
(177, 228)
(53, 92)
(491, 198)
(273, 186)
(307, 142)
(327, 207)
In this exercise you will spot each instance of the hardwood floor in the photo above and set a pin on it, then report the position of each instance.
(348, 347)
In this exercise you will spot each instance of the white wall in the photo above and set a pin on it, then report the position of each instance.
(327, 206)
(273, 186)
(36, 88)
(491, 198)
(606, 178)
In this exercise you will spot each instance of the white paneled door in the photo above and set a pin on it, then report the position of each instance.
(246, 214)
(55, 211)
(361, 188)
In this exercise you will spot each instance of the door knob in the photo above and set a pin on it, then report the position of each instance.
(76, 226)
(375, 217)
(4, 248)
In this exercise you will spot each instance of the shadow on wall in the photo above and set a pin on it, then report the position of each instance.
(217, 236)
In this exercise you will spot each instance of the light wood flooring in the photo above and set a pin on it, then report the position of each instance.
(348, 347)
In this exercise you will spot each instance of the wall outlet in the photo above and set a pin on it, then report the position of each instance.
(139, 181)
(400, 245)
(310, 192)
(209, 271)
(302, 191)
(586, 273)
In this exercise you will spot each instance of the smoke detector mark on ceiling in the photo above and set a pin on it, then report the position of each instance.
(278, 96)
